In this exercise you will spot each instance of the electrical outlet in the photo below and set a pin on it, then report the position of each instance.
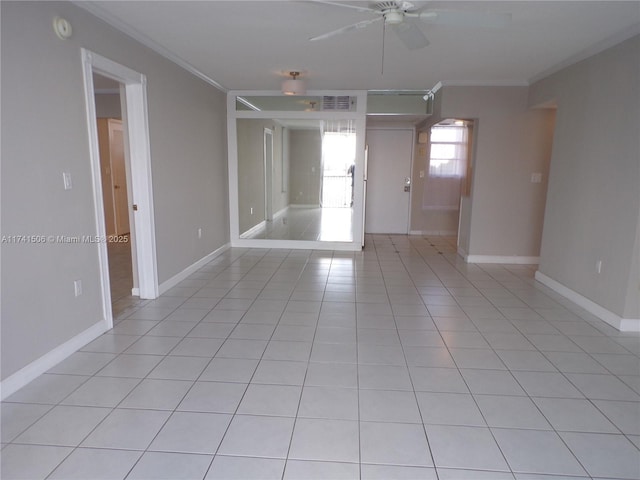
(251, 210)
(77, 287)
(599, 266)
(66, 177)
(199, 233)
(536, 178)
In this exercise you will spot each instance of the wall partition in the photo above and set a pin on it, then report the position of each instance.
(296, 166)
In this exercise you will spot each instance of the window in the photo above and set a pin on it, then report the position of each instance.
(448, 166)
(448, 151)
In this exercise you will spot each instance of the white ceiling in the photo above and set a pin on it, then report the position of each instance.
(250, 45)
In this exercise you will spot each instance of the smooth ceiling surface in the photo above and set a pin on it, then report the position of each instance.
(247, 45)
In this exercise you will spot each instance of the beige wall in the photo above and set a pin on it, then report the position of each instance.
(305, 153)
(44, 133)
(251, 183)
(108, 105)
(512, 141)
(594, 190)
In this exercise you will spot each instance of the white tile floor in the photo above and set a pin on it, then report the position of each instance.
(400, 362)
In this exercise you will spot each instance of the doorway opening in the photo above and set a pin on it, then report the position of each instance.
(136, 175)
(116, 191)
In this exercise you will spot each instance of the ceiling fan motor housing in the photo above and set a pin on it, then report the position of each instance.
(393, 17)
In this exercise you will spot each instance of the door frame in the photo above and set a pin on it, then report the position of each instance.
(138, 156)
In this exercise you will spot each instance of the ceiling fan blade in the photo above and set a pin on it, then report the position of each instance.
(466, 19)
(345, 5)
(348, 28)
(411, 35)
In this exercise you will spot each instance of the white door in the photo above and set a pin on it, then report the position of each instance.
(119, 177)
(388, 173)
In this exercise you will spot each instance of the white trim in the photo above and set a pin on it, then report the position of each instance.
(622, 324)
(177, 278)
(598, 47)
(96, 175)
(49, 360)
(137, 134)
(146, 41)
(304, 205)
(280, 212)
(263, 224)
(502, 259)
(255, 229)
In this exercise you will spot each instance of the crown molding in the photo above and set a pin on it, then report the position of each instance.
(146, 41)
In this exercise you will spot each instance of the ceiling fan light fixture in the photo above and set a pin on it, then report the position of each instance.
(293, 85)
(393, 17)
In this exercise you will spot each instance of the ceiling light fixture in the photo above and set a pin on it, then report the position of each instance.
(293, 85)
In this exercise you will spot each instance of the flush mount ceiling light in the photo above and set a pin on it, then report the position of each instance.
(293, 85)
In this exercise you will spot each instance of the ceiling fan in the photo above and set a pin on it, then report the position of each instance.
(401, 17)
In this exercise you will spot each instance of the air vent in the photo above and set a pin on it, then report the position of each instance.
(342, 103)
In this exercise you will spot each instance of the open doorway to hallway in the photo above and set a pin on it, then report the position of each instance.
(133, 105)
(116, 192)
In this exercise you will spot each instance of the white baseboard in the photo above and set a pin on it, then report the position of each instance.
(304, 205)
(280, 213)
(622, 324)
(49, 360)
(176, 279)
(253, 230)
(501, 259)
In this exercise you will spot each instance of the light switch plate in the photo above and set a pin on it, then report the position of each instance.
(536, 178)
(66, 177)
